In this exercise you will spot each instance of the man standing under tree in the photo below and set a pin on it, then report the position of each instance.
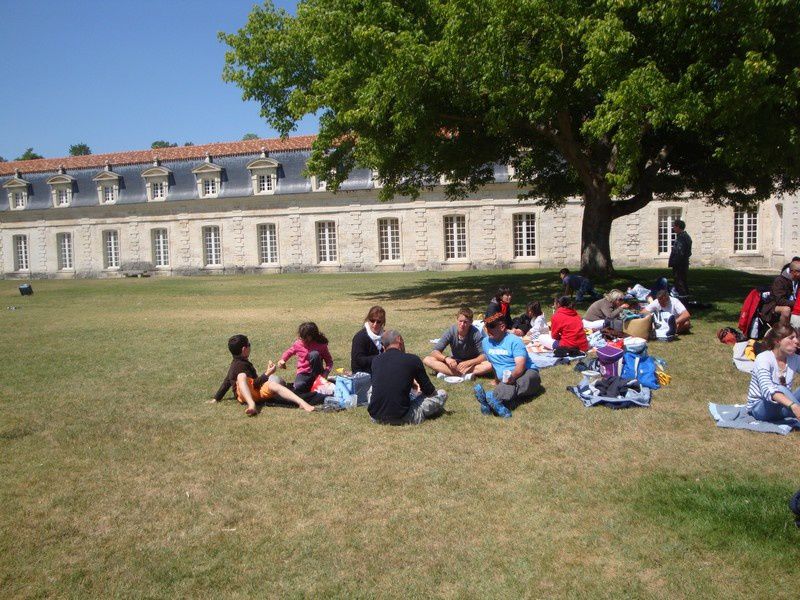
(679, 257)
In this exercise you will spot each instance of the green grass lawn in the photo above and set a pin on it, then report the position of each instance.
(119, 480)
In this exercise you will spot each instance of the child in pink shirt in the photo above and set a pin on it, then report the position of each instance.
(311, 348)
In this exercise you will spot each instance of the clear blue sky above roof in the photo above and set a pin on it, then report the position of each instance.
(119, 75)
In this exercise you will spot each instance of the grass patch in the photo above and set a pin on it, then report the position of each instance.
(119, 480)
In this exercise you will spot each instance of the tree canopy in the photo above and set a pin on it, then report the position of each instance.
(29, 154)
(79, 150)
(618, 102)
(162, 144)
(249, 136)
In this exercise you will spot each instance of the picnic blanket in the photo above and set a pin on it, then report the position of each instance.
(740, 361)
(542, 360)
(735, 416)
(591, 397)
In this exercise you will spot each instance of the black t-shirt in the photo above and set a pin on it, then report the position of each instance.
(393, 374)
(242, 365)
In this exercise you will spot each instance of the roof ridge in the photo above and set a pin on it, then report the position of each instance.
(132, 157)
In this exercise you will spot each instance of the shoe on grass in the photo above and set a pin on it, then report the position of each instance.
(500, 409)
(440, 375)
(469, 376)
(480, 395)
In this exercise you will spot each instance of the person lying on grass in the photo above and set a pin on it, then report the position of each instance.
(770, 396)
(464, 340)
(248, 386)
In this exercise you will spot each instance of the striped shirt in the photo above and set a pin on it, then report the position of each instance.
(766, 377)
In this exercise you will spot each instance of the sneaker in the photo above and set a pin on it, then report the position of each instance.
(480, 395)
(469, 376)
(500, 409)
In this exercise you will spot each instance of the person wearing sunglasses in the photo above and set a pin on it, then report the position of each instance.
(367, 342)
(517, 378)
(770, 396)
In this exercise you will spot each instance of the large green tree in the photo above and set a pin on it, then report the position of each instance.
(29, 154)
(615, 101)
(79, 149)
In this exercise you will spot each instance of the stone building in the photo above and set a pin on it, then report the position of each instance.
(247, 207)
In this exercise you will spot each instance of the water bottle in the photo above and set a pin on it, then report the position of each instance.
(352, 401)
(506, 375)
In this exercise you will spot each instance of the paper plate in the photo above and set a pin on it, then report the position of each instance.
(453, 379)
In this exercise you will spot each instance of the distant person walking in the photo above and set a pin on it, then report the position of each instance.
(679, 257)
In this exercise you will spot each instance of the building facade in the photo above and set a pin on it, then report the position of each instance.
(247, 207)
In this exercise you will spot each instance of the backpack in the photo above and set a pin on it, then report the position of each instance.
(750, 321)
(641, 368)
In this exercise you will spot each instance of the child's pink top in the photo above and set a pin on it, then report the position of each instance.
(301, 349)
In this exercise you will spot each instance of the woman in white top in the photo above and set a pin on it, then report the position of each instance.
(770, 397)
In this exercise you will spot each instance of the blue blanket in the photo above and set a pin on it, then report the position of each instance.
(590, 397)
(734, 416)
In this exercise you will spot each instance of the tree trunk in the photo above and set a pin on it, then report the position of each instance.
(596, 235)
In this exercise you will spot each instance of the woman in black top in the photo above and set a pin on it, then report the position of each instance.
(367, 342)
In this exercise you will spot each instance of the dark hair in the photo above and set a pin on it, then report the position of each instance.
(661, 294)
(776, 334)
(237, 343)
(502, 291)
(534, 308)
(376, 312)
(565, 302)
(564, 271)
(679, 224)
(310, 331)
(466, 311)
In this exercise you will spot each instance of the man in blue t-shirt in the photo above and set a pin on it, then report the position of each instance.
(516, 376)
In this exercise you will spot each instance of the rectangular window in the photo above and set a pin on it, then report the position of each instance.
(326, 241)
(745, 231)
(265, 183)
(21, 253)
(212, 246)
(160, 248)
(19, 200)
(111, 249)
(157, 189)
(63, 197)
(267, 243)
(64, 243)
(666, 218)
(389, 239)
(455, 237)
(524, 235)
(209, 187)
(108, 194)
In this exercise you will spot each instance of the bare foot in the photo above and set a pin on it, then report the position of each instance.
(251, 412)
(308, 408)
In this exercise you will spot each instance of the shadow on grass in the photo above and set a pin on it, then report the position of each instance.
(717, 287)
(724, 512)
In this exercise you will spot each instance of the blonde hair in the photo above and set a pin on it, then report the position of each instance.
(614, 296)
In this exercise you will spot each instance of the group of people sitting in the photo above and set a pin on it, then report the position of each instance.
(402, 391)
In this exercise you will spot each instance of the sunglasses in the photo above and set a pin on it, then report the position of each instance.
(492, 325)
(376, 321)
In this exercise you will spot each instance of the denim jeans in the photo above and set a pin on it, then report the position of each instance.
(767, 410)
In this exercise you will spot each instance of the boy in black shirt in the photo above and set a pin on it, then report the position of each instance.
(248, 386)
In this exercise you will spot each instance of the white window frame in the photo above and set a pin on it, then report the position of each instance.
(111, 250)
(209, 179)
(108, 184)
(17, 189)
(321, 185)
(65, 251)
(389, 245)
(777, 240)
(63, 196)
(267, 234)
(212, 246)
(156, 179)
(326, 238)
(160, 247)
(525, 235)
(456, 246)
(22, 262)
(263, 170)
(61, 183)
(745, 231)
(665, 236)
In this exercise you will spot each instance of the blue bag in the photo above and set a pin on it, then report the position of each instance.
(641, 368)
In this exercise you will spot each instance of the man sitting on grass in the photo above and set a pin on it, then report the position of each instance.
(664, 302)
(464, 339)
(394, 375)
(517, 376)
(248, 386)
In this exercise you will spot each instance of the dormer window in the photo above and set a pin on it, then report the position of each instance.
(61, 187)
(107, 185)
(157, 182)
(209, 179)
(264, 175)
(318, 185)
(17, 189)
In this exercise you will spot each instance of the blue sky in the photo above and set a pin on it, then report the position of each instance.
(118, 75)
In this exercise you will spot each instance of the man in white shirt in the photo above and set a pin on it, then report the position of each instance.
(665, 303)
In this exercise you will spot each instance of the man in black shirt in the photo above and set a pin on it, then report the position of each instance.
(394, 374)
(679, 257)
